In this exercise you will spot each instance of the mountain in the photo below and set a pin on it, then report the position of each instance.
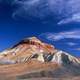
(32, 58)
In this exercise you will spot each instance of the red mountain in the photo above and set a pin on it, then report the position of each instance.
(33, 59)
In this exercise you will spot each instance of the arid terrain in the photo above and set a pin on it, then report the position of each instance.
(32, 59)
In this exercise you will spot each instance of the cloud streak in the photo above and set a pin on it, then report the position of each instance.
(31, 8)
(73, 18)
(71, 43)
(65, 10)
(73, 34)
(78, 49)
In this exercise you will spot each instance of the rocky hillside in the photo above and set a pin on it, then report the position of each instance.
(32, 58)
(33, 48)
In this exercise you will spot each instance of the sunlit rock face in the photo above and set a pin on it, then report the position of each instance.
(32, 48)
(65, 11)
(32, 58)
(26, 50)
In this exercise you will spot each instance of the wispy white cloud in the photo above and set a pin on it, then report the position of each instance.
(73, 18)
(31, 8)
(40, 9)
(73, 34)
(78, 49)
(46, 9)
(71, 43)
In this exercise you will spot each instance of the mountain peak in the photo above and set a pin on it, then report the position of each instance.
(32, 48)
(34, 39)
(34, 58)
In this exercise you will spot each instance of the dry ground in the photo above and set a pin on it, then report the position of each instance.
(21, 71)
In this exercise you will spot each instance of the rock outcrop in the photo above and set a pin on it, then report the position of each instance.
(33, 48)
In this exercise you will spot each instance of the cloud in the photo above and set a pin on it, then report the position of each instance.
(31, 9)
(71, 43)
(73, 34)
(78, 49)
(39, 9)
(73, 18)
(64, 10)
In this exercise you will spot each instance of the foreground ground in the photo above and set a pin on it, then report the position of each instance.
(32, 70)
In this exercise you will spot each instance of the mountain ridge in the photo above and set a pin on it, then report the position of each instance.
(32, 58)
(33, 47)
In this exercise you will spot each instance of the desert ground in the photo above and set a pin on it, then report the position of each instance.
(33, 70)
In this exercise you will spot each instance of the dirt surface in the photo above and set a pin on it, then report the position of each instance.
(27, 71)
(11, 72)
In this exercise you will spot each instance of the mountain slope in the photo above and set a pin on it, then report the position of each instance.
(33, 48)
(32, 58)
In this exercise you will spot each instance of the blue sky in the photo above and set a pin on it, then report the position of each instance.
(15, 25)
